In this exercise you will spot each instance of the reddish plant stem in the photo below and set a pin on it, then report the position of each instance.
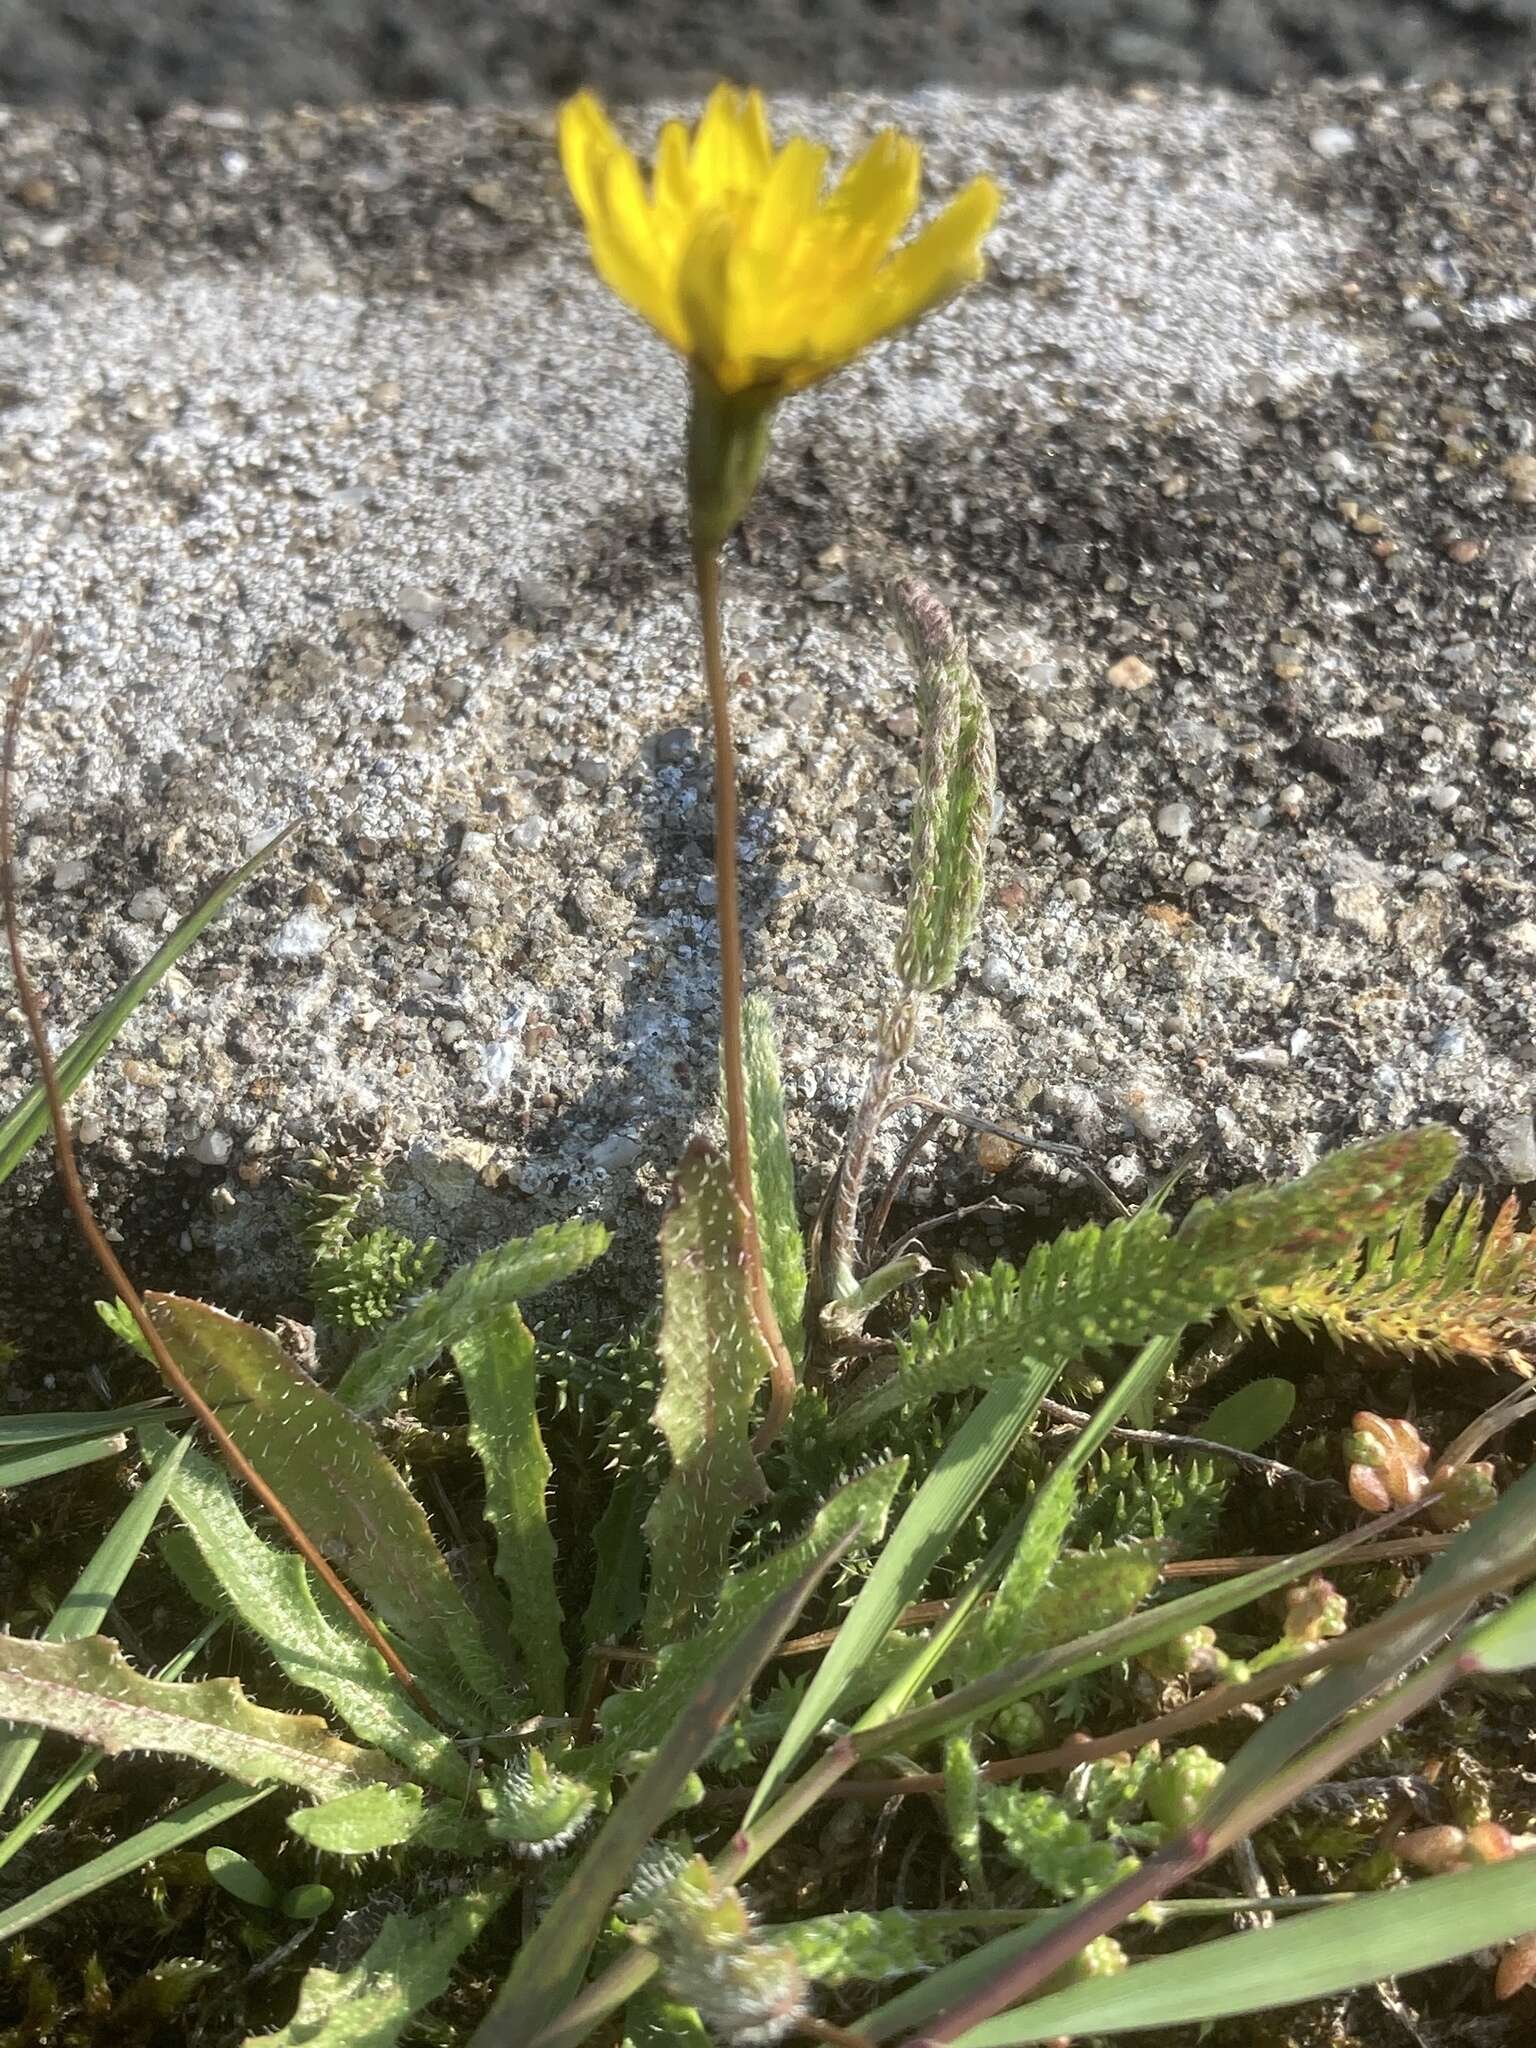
(90, 1229)
(782, 1379)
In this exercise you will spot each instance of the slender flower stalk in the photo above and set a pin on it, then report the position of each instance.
(706, 568)
(765, 283)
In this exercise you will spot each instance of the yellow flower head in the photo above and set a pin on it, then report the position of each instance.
(739, 258)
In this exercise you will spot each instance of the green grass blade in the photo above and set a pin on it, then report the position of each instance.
(1056, 1501)
(970, 1462)
(1315, 1955)
(27, 1122)
(28, 1431)
(47, 1461)
(550, 1965)
(498, 1366)
(83, 1609)
(213, 1810)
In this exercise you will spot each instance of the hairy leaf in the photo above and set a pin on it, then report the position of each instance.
(323, 1462)
(952, 816)
(509, 1274)
(87, 1689)
(358, 1823)
(497, 1363)
(714, 1358)
(408, 1963)
(271, 1592)
(773, 1177)
(637, 1720)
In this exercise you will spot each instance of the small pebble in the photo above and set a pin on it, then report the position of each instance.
(1130, 673)
(1331, 141)
(616, 1151)
(1514, 1148)
(999, 977)
(212, 1148)
(529, 833)
(675, 746)
(69, 874)
(1442, 796)
(304, 936)
(1175, 821)
(149, 907)
(1078, 890)
(1197, 874)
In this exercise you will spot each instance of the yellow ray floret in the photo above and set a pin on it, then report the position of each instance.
(740, 257)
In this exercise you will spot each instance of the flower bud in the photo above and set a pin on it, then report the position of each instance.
(1465, 1492)
(1387, 1461)
(1181, 1784)
(1435, 1850)
(1517, 1967)
(1191, 1655)
(1315, 1611)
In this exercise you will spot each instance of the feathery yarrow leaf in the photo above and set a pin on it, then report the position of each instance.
(1463, 1288)
(1101, 1286)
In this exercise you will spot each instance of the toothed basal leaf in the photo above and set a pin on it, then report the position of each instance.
(87, 1689)
(497, 1364)
(323, 1463)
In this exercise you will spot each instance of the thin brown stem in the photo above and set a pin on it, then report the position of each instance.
(1251, 1461)
(90, 1229)
(782, 1379)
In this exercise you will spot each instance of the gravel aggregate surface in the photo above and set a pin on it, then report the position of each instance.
(352, 496)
